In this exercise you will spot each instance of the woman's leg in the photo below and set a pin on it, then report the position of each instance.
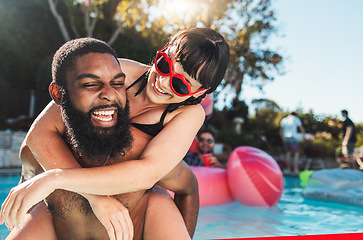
(37, 225)
(163, 219)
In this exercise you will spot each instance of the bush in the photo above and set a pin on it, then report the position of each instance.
(234, 139)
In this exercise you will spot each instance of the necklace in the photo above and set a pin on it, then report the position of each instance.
(104, 164)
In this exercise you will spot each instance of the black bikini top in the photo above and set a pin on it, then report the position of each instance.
(150, 129)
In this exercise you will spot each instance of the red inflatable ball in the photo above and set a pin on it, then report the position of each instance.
(254, 177)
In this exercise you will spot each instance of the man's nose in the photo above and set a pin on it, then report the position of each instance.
(108, 93)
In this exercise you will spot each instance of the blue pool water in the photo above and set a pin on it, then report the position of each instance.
(293, 215)
(6, 183)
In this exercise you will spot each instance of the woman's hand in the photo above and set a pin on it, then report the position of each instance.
(24, 196)
(113, 216)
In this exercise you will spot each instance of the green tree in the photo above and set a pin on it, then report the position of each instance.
(246, 24)
(359, 129)
(31, 31)
(250, 25)
(266, 123)
(26, 42)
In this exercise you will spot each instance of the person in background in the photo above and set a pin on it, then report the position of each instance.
(204, 156)
(289, 126)
(349, 139)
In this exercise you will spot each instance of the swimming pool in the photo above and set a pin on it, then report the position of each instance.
(293, 215)
(6, 183)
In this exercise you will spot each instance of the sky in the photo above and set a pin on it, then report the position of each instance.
(322, 45)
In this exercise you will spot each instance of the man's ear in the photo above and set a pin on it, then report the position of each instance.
(54, 91)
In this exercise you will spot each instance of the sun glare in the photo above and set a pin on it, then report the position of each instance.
(184, 10)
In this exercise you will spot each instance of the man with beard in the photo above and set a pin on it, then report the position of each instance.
(89, 85)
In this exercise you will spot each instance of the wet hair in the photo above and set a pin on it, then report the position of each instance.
(65, 58)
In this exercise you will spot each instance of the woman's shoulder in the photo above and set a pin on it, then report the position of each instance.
(194, 107)
(129, 66)
(195, 112)
(132, 69)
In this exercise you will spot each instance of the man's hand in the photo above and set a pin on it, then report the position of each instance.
(214, 162)
(113, 216)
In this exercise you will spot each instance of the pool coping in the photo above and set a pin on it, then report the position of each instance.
(10, 171)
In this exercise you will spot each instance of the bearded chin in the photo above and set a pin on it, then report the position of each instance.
(96, 142)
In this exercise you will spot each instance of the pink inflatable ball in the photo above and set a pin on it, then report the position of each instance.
(207, 104)
(213, 186)
(254, 177)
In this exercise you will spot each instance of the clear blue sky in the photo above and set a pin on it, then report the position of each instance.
(322, 42)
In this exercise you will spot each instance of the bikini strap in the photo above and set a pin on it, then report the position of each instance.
(142, 77)
(163, 116)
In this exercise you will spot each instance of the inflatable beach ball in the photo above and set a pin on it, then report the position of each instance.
(254, 177)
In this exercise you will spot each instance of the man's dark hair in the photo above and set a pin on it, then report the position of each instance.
(345, 112)
(65, 58)
(206, 130)
(293, 114)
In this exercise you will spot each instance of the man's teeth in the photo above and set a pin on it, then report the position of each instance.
(103, 115)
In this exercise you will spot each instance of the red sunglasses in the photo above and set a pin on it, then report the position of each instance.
(178, 84)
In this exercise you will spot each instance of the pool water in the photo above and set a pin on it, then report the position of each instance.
(293, 215)
(6, 183)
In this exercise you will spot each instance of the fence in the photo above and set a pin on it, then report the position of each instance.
(10, 143)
